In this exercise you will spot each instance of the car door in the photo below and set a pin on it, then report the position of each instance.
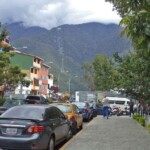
(55, 123)
(64, 124)
(78, 115)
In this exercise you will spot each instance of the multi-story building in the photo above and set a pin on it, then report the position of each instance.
(36, 71)
(44, 79)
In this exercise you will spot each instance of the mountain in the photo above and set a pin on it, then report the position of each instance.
(69, 46)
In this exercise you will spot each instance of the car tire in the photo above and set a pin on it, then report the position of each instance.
(51, 144)
(81, 127)
(74, 129)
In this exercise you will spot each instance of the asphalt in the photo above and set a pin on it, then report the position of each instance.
(115, 133)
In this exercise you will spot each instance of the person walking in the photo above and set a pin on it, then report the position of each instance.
(131, 105)
(105, 107)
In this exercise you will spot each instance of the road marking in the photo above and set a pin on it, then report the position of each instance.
(75, 136)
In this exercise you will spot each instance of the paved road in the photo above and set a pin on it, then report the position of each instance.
(116, 133)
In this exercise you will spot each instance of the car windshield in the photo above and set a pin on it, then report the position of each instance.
(24, 113)
(82, 104)
(63, 108)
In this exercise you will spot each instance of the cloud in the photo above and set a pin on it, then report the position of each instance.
(52, 13)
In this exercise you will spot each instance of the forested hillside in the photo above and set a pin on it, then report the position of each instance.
(69, 46)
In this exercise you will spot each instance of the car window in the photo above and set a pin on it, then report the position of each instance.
(64, 108)
(55, 113)
(75, 109)
(120, 102)
(111, 102)
(24, 113)
(80, 105)
(33, 97)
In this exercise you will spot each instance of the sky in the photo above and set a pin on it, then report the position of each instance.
(53, 13)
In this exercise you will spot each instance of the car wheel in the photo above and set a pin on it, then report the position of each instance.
(81, 127)
(51, 145)
(74, 129)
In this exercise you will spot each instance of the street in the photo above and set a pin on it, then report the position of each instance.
(115, 133)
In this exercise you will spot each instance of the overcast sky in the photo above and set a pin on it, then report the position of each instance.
(52, 13)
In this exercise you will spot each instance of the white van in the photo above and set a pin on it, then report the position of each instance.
(119, 102)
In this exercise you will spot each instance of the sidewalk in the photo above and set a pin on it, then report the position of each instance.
(115, 133)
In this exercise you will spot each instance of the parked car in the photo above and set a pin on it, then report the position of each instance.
(35, 99)
(84, 108)
(73, 114)
(94, 108)
(10, 103)
(38, 127)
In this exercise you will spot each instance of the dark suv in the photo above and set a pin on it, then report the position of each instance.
(35, 99)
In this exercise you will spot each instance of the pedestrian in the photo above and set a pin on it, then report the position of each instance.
(131, 105)
(105, 107)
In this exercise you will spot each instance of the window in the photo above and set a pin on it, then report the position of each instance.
(63, 108)
(111, 102)
(35, 71)
(120, 102)
(31, 70)
(75, 109)
(25, 113)
(55, 113)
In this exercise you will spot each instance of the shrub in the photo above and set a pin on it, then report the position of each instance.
(148, 128)
(136, 117)
(142, 121)
(2, 100)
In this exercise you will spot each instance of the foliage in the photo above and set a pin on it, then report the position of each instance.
(148, 128)
(135, 116)
(136, 19)
(140, 119)
(10, 76)
(2, 100)
(134, 75)
(88, 75)
(105, 72)
(101, 73)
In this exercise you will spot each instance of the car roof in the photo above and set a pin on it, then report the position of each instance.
(118, 98)
(66, 104)
(34, 105)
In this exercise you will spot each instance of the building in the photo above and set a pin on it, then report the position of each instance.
(36, 70)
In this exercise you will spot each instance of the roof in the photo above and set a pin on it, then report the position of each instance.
(118, 98)
(19, 52)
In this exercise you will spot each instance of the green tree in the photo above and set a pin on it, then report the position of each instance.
(11, 76)
(134, 76)
(89, 75)
(105, 73)
(136, 19)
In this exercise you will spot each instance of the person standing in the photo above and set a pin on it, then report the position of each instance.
(105, 107)
(131, 105)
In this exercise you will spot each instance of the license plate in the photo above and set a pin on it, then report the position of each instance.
(11, 131)
(124, 113)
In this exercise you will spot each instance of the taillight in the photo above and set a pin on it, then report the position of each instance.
(35, 129)
(72, 118)
(85, 110)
